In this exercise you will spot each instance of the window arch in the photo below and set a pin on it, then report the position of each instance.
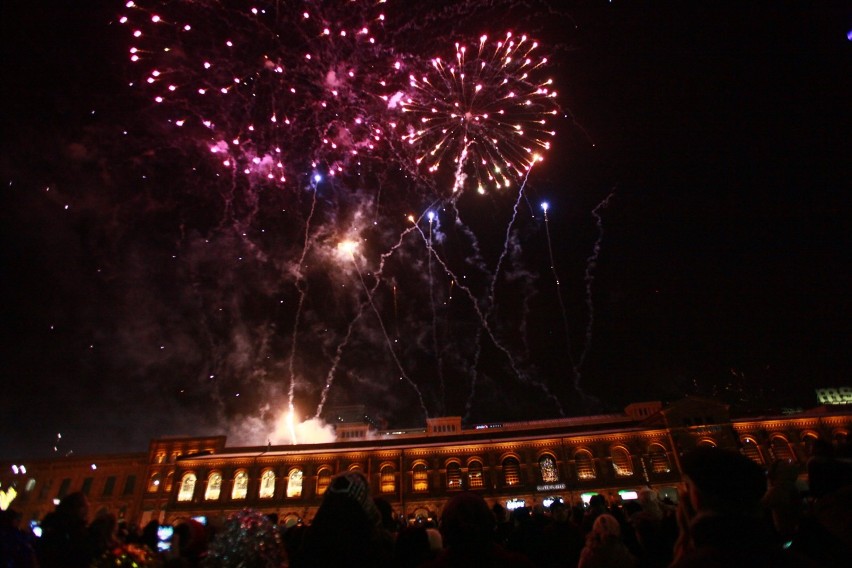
(294, 484)
(169, 481)
(454, 475)
(154, 483)
(809, 441)
(323, 480)
(420, 477)
(780, 449)
(474, 475)
(752, 451)
(187, 487)
(214, 487)
(585, 464)
(240, 489)
(511, 471)
(659, 459)
(356, 467)
(267, 484)
(622, 463)
(387, 479)
(707, 443)
(548, 468)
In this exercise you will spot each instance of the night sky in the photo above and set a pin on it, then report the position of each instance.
(698, 185)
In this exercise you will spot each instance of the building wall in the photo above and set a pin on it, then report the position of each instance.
(603, 457)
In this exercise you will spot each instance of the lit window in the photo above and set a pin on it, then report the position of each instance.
(214, 487)
(549, 471)
(240, 489)
(267, 484)
(659, 459)
(154, 483)
(585, 465)
(511, 471)
(387, 480)
(187, 487)
(294, 484)
(474, 475)
(751, 451)
(421, 477)
(781, 450)
(454, 480)
(621, 462)
(323, 479)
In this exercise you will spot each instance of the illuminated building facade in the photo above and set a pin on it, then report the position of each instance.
(418, 470)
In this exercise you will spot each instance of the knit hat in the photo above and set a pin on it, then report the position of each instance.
(353, 485)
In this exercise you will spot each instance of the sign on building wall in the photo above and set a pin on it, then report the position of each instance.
(839, 395)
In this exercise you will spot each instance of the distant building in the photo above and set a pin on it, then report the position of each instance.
(417, 470)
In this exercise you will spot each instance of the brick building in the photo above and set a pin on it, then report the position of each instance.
(417, 470)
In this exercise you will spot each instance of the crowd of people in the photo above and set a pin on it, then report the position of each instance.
(730, 513)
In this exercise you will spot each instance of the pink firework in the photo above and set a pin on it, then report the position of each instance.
(272, 90)
(484, 115)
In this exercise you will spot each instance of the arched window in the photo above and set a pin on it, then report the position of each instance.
(621, 462)
(187, 487)
(169, 481)
(585, 465)
(809, 440)
(474, 475)
(659, 459)
(387, 479)
(707, 443)
(454, 480)
(356, 467)
(548, 468)
(294, 484)
(323, 479)
(240, 489)
(214, 487)
(420, 477)
(752, 451)
(154, 483)
(267, 484)
(780, 449)
(511, 471)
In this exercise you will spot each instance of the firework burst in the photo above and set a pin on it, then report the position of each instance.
(484, 115)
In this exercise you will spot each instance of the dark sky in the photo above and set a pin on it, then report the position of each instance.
(142, 298)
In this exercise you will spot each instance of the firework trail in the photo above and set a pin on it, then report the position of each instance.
(435, 346)
(589, 279)
(341, 347)
(388, 341)
(301, 287)
(487, 328)
(575, 375)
